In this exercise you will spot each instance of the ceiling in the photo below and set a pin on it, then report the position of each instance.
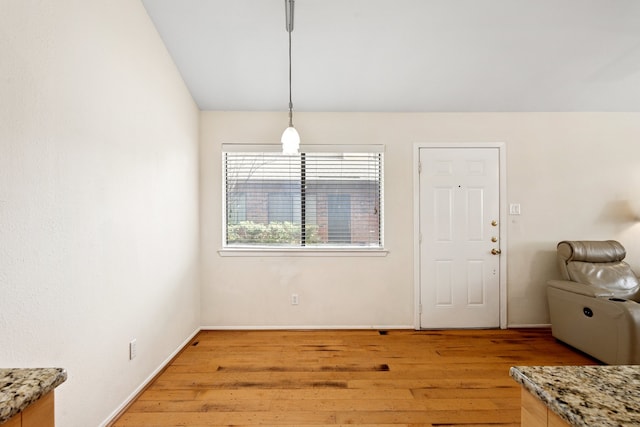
(407, 55)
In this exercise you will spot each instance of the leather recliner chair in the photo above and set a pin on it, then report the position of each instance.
(596, 307)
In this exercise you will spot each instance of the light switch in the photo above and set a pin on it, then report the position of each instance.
(514, 209)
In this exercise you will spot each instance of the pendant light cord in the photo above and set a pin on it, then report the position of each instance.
(290, 99)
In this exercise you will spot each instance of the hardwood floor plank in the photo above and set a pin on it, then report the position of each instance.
(332, 378)
(192, 419)
(464, 393)
(441, 417)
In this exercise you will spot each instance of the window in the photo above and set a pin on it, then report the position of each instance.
(327, 196)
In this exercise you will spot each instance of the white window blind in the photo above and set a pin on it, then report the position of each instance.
(327, 196)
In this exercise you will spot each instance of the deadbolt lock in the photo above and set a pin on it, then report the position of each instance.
(494, 239)
(494, 223)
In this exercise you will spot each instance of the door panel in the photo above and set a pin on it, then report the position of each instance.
(475, 284)
(444, 295)
(459, 202)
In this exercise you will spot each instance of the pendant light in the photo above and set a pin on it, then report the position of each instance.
(290, 137)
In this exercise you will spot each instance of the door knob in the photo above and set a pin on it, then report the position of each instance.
(494, 223)
(496, 251)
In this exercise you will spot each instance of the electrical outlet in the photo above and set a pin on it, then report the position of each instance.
(133, 350)
(294, 299)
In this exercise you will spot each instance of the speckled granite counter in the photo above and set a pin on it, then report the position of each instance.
(19, 388)
(586, 395)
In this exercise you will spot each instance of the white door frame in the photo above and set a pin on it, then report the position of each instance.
(502, 169)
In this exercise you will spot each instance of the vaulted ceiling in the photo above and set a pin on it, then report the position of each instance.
(407, 55)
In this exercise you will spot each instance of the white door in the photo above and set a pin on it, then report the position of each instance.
(460, 237)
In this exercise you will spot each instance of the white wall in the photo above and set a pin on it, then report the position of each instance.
(574, 175)
(98, 199)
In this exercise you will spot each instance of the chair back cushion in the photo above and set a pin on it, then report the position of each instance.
(598, 263)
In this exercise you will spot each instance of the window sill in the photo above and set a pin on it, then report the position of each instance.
(307, 252)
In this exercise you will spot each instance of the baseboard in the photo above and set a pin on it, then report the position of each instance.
(142, 387)
(341, 327)
(301, 327)
(528, 325)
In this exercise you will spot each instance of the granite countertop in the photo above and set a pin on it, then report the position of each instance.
(586, 395)
(19, 388)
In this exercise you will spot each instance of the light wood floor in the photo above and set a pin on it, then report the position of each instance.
(300, 378)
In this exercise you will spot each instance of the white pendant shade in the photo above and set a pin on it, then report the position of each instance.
(290, 141)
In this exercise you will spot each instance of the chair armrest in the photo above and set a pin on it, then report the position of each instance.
(581, 289)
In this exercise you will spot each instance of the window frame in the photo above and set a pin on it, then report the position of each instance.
(267, 250)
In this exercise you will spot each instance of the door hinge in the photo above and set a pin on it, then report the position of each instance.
(419, 167)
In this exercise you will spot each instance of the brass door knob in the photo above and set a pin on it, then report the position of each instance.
(494, 223)
(496, 251)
